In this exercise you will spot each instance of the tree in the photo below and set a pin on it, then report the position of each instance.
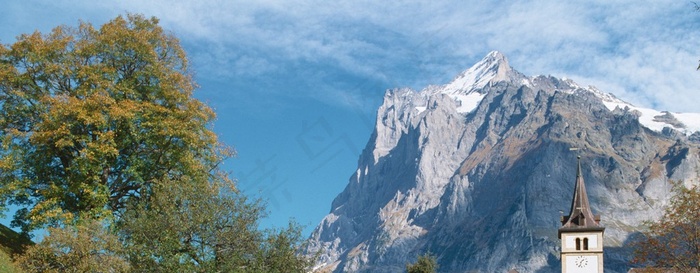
(280, 252)
(212, 229)
(100, 126)
(87, 247)
(673, 241)
(425, 264)
(91, 118)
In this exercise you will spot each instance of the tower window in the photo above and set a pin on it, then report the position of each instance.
(578, 243)
(585, 243)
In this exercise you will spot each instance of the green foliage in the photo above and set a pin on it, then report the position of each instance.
(211, 229)
(425, 264)
(673, 241)
(279, 252)
(87, 247)
(90, 118)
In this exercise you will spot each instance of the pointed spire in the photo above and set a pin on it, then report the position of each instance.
(581, 215)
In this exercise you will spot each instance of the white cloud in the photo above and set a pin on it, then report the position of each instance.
(644, 53)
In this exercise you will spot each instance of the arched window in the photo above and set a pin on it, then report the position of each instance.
(585, 243)
(578, 243)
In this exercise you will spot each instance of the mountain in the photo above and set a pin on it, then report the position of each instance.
(480, 170)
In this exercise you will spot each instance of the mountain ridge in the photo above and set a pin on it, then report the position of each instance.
(480, 180)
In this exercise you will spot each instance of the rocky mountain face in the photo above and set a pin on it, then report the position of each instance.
(479, 171)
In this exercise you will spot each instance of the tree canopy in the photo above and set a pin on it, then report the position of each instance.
(674, 240)
(86, 247)
(190, 229)
(102, 141)
(181, 228)
(93, 117)
(425, 264)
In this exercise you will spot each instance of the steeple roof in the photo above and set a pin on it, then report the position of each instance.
(581, 215)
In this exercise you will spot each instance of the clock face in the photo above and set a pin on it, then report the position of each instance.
(581, 261)
(581, 264)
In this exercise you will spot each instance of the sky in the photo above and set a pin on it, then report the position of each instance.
(296, 84)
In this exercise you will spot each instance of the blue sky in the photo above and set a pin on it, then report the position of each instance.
(295, 85)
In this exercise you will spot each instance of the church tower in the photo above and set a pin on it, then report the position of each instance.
(581, 234)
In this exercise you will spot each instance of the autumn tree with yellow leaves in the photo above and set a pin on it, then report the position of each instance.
(673, 242)
(99, 129)
(93, 117)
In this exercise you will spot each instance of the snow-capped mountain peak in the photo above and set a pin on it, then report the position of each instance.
(492, 68)
(467, 88)
(686, 123)
(483, 191)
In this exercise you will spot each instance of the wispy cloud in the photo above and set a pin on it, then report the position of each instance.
(643, 53)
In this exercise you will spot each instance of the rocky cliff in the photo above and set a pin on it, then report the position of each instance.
(479, 171)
